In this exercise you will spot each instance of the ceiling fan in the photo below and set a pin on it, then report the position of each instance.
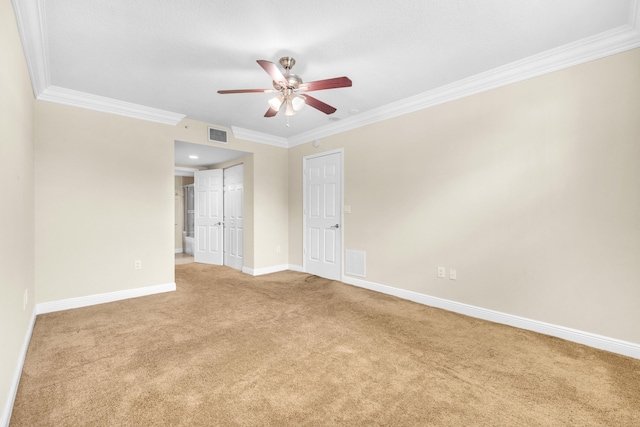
(290, 85)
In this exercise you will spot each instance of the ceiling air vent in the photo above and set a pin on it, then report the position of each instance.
(218, 135)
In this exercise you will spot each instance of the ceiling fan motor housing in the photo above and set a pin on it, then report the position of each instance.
(293, 81)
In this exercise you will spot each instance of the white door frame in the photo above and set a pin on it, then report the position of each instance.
(304, 201)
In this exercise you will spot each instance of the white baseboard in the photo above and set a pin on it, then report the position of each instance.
(8, 404)
(297, 268)
(592, 340)
(265, 270)
(66, 304)
(178, 250)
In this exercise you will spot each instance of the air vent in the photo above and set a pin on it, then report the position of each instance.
(356, 263)
(218, 135)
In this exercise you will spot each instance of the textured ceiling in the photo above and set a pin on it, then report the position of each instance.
(174, 55)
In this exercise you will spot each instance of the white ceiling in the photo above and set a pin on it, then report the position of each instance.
(205, 155)
(401, 55)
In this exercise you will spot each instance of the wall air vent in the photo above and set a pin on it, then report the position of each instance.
(218, 135)
(356, 263)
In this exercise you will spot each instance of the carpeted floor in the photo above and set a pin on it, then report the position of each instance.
(290, 349)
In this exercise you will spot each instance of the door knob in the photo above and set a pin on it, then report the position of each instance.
(335, 226)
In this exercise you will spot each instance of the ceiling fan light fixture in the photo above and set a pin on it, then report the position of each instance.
(276, 102)
(294, 104)
(288, 84)
(297, 102)
(288, 110)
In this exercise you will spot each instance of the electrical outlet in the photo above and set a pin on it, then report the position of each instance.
(137, 264)
(442, 272)
(278, 249)
(452, 274)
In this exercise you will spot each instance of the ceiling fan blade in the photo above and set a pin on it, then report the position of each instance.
(327, 84)
(272, 69)
(319, 105)
(224, 92)
(271, 112)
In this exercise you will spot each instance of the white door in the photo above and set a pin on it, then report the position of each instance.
(233, 217)
(208, 217)
(323, 215)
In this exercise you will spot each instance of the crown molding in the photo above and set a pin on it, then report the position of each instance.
(31, 21)
(591, 48)
(260, 137)
(31, 26)
(108, 105)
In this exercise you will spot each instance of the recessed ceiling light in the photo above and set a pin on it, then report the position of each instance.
(193, 156)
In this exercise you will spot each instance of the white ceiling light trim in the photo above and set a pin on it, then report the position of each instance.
(108, 105)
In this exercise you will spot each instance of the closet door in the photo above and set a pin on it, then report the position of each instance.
(208, 216)
(233, 216)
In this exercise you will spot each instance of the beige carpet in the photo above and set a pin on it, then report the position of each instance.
(289, 349)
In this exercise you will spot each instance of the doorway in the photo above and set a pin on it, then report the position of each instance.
(189, 158)
(322, 214)
(219, 216)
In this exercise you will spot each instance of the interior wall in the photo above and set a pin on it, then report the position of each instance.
(530, 191)
(104, 199)
(17, 205)
(266, 194)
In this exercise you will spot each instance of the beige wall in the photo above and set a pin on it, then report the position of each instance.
(266, 195)
(531, 192)
(104, 198)
(16, 206)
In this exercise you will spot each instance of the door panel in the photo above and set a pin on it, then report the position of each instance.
(323, 215)
(314, 244)
(330, 246)
(234, 216)
(330, 201)
(208, 216)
